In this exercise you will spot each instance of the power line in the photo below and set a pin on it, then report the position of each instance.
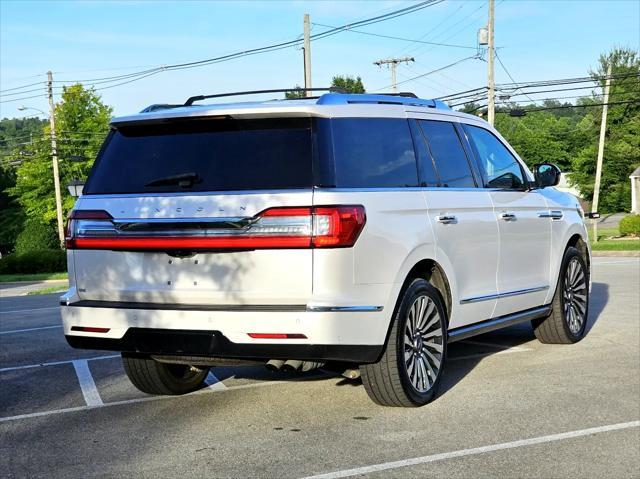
(399, 38)
(432, 71)
(507, 71)
(268, 48)
(21, 87)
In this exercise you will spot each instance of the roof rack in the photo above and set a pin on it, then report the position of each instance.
(193, 99)
(382, 99)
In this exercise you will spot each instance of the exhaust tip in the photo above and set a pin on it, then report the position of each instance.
(291, 366)
(274, 365)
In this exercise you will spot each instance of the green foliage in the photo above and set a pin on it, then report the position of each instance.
(348, 84)
(36, 236)
(12, 217)
(17, 132)
(46, 261)
(630, 225)
(295, 93)
(82, 123)
(569, 136)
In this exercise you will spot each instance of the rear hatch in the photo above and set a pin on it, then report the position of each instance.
(198, 211)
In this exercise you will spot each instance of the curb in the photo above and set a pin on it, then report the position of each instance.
(25, 283)
(632, 254)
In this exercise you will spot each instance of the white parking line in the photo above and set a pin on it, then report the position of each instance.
(385, 466)
(28, 310)
(213, 382)
(139, 400)
(87, 384)
(56, 363)
(30, 329)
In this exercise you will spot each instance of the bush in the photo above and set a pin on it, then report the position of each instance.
(45, 261)
(36, 236)
(630, 225)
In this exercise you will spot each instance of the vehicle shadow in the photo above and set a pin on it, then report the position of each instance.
(463, 356)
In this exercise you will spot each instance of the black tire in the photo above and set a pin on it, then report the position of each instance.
(388, 382)
(153, 377)
(556, 328)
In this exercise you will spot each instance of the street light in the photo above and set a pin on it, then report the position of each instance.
(23, 108)
(75, 188)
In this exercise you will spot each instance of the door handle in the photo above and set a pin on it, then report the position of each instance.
(553, 214)
(446, 219)
(507, 216)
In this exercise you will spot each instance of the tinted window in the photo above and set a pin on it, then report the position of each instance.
(209, 155)
(450, 158)
(501, 169)
(373, 153)
(426, 168)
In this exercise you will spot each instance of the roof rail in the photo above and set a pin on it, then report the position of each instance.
(384, 99)
(193, 99)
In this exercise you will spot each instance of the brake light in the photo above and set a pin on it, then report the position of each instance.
(282, 227)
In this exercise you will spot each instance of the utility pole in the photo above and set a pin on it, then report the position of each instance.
(393, 64)
(491, 110)
(54, 157)
(603, 131)
(307, 55)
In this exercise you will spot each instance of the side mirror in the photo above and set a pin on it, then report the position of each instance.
(547, 174)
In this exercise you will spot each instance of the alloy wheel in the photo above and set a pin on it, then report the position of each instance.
(423, 344)
(575, 296)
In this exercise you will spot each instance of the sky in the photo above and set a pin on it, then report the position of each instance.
(89, 40)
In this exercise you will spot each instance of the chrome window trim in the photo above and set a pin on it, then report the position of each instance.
(507, 294)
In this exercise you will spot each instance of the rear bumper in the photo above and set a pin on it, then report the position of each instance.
(354, 334)
(213, 344)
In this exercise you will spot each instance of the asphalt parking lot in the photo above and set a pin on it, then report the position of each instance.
(509, 407)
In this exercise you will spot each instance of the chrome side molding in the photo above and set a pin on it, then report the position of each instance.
(349, 309)
(489, 297)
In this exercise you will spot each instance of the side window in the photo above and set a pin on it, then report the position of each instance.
(501, 169)
(449, 156)
(373, 153)
(426, 168)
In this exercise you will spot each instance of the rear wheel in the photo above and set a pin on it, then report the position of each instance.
(409, 372)
(567, 322)
(153, 377)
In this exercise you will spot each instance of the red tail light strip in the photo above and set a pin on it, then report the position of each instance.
(90, 329)
(276, 336)
(275, 228)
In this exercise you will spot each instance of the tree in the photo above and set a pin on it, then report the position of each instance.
(297, 92)
(348, 84)
(622, 143)
(82, 122)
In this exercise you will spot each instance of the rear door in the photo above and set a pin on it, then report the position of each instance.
(463, 221)
(175, 190)
(525, 230)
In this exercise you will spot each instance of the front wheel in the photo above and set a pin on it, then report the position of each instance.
(409, 372)
(153, 377)
(567, 322)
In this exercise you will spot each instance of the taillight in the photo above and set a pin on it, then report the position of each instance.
(79, 218)
(275, 228)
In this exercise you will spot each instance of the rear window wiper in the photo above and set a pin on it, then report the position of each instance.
(185, 180)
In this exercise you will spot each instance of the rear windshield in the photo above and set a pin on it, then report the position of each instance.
(205, 155)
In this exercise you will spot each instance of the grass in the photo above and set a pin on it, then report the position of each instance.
(53, 289)
(8, 278)
(605, 243)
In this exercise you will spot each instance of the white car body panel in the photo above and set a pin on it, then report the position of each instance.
(481, 255)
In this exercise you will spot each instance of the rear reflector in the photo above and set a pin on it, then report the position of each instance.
(90, 329)
(276, 336)
(275, 228)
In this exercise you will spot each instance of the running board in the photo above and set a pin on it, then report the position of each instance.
(489, 325)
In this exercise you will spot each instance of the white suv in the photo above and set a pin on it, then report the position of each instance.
(360, 230)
